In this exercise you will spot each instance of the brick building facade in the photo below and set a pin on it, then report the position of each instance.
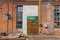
(50, 18)
(19, 15)
(14, 13)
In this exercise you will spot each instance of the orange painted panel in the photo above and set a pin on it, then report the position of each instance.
(3, 18)
(7, 25)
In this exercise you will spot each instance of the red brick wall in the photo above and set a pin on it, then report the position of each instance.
(44, 18)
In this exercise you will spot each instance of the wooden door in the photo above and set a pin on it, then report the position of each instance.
(32, 25)
(3, 21)
(7, 17)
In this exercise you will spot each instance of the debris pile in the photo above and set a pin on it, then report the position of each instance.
(12, 35)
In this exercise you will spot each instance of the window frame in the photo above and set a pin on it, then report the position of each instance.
(56, 16)
(18, 19)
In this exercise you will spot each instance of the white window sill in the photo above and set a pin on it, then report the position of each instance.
(20, 30)
(56, 28)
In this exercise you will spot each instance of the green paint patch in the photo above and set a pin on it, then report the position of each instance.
(34, 19)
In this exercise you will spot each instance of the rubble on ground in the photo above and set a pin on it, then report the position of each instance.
(13, 35)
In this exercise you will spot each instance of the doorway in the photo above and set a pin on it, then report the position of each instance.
(32, 25)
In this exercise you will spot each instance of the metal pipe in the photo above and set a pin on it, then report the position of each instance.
(39, 14)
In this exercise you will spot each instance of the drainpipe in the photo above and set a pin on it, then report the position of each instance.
(39, 15)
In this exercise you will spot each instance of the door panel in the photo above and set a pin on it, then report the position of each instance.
(10, 22)
(14, 12)
(3, 22)
(7, 25)
(32, 25)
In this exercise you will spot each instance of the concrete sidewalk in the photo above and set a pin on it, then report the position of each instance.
(43, 37)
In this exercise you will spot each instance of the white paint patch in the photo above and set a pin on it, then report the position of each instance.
(28, 11)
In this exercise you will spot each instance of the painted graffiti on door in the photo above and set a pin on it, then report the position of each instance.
(32, 24)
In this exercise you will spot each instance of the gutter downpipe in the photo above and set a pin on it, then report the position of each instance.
(39, 15)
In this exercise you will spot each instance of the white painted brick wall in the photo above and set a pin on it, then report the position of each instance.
(28, 11)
